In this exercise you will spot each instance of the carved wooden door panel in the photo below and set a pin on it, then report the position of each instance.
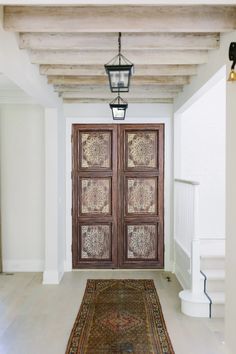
(117, 196)
(94, 209)
(141, 196)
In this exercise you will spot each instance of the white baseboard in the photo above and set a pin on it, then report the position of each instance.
(183, 278)
(182, 266)
(19, 265)
(169, 266)
(67, 266)
(52, 277)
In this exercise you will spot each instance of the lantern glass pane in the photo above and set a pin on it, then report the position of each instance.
(118, 113)
(119, 79)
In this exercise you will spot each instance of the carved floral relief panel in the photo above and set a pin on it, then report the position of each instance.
(95, 150)
(95, 196)
(142, 195)
(95, 241)
(141, 241)
(141, 149)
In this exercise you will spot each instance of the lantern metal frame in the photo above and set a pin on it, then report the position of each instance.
(232, 57)
(120, 104)
(121, 65)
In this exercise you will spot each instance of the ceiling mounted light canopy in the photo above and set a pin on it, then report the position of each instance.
(232, 57)
(119, 71)
(118, 107)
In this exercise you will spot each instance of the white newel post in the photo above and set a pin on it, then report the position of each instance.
(193, 300)
(195, 247)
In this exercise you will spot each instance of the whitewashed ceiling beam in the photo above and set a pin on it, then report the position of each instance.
(108, 41)
(105, 100)
(141, 97)
(99, 80)
(197, 18)
(98, 70)
(97, 57)
(104, 90)
(109, 97)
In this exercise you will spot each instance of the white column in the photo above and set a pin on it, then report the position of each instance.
(54, 253)
(230, 316)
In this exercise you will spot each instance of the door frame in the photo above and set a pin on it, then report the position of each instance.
(164, 118)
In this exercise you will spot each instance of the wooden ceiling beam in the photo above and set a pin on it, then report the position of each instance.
(98, 70)
(104, 89)
(196, 18)
(95, 92)
(105, 100)
(108, 41)
(100, 80)
(150, 57)
(127, 96)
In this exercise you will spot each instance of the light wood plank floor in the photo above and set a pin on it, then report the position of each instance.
(37, 319)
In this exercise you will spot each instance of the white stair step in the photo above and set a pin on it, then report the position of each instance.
(215, 280)
(217, 298)
(212, 246)
(216, 262)
(213, 256)
(214, 274)
(218, 304)
(218, 311)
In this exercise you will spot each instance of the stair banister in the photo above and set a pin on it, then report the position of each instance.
(193, 236)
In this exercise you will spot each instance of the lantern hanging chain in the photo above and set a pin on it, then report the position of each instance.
(119, 56)
(119, 46)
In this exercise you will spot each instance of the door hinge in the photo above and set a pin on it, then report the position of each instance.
(71, 175)
(71, 248)
(71, 138)
(71, 211)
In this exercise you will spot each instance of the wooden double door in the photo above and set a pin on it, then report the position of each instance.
(118, 207)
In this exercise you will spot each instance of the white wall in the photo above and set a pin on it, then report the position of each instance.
(231, 217)
(12, 60)
(136, 113)
(22, 187)
(216, 60)
(200, 146)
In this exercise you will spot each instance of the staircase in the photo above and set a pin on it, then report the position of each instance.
(206, 295)
(213, 282)
(200, 260)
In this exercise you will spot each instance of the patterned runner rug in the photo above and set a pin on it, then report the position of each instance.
(120, 317)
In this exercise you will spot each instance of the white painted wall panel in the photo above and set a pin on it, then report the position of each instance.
(22, 187)
(201, 145)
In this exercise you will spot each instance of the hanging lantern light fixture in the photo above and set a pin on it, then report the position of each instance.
(119, 70)
(118, 107)
(232, 57)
